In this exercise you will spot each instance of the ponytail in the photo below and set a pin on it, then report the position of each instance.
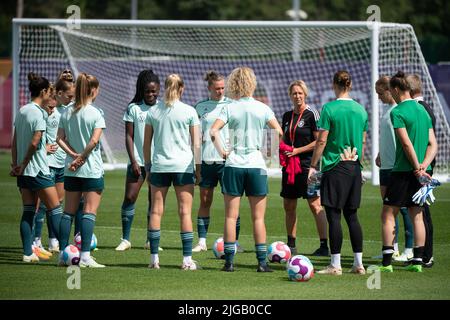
(173, 87)
(37, 84)
(83, 90)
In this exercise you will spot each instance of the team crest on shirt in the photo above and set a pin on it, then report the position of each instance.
(141, 117)
(54, 124)
(301, 123)
(203, 117)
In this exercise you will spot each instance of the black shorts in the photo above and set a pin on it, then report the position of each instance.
(341, 186)
(385, 177)
(401, 188)
(298, 189)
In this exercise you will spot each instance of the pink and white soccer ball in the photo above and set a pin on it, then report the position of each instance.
(71, 255)
(278, 252)
(219, 248)
(77, 241)
(300, 268)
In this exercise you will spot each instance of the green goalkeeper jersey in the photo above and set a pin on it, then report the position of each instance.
(346, 121)
(414, 118)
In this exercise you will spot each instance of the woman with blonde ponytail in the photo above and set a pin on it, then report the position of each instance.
(174, 128)
(80, 129)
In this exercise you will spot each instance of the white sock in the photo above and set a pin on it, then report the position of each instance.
(85, 255)
(358, 259)
(154, 258)
(187, 260)
(336, 260)
(202, 241)
(396, 247)
(409, 251)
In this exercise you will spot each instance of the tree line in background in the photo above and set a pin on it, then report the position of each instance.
(430, 19)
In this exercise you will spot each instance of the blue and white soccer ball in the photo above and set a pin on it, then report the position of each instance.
(71, 255)
(77, 241)
(300, 268)
(219, 248)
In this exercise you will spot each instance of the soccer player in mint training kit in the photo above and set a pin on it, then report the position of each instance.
(29, 164)
(212, 162)
(146, 96)
(300, 132)
(416, 93)
(385, 160)
(56, 157)
(416, 149)
(245, 168)
(80, 129)
(343, 126)
(172, 129)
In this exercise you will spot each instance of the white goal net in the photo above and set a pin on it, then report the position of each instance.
(279, 52)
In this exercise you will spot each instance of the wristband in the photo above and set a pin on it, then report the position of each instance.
(148, 166)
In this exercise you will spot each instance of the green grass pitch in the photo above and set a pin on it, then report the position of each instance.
(127, 276)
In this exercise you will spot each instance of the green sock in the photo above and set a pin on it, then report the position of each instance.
(409, 229)
(261, 252)
(39, 221)
(87, 230)
(79, 216)
(64, 230)
(202, 226)
(26, 226)
(53, 228)
(186, 239)
(127, 214)
(229, 250)
(153, 237)
(53, 221)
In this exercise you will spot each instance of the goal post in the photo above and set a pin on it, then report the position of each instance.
(115, 51)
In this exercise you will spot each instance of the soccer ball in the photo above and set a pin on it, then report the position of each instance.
(300, 268)
(71, 255)
(278, 252)
(219, 248)
(77, 241)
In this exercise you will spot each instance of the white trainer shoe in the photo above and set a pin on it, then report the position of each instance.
(31, 258)
(394, 255)
(331, 270)
(123, 245)
(53, 245)
(189, 266)
(404, 257)
(154, 265)
(200, 247)
(147, 246)
(90, 263)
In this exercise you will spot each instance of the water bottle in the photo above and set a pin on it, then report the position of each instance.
(314, 185)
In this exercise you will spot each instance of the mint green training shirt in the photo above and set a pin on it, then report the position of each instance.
(171, 125)
(208, 111)
(79, 127)
(31, 118)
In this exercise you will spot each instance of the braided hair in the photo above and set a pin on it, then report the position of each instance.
(144, 78)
